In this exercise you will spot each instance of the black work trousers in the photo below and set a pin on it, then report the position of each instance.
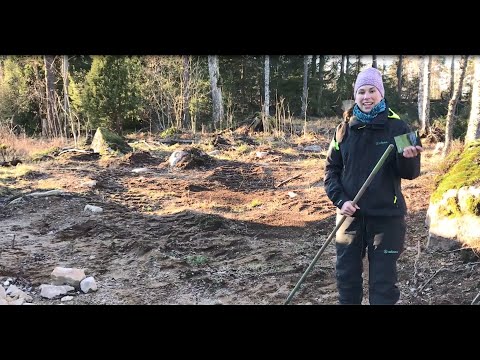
(382, 238)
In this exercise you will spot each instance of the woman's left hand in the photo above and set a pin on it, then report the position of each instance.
(412, 151)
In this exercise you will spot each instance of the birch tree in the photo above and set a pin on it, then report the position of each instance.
(186, 91)
(424, 94)
(399, 76)
(266, 105)
(321, 65)
(216, 90)
(452, 75)
(452, 106)
(341, 78)
(305, 86)
(50, 125)
(66, 100)
(473, 129)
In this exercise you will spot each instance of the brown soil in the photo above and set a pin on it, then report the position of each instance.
(221, 233)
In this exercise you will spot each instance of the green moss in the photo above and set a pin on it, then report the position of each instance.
(451, 159)
(473, 205)
(45, 154)
(465, 172)
(3, 150)
(111, 137)
(169, 132)
(113, 140)
(197, 260)
(451, 209)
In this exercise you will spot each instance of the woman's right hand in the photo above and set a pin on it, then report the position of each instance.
(412, 151)
(348, 208)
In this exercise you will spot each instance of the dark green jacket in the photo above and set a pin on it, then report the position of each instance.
(353, 155)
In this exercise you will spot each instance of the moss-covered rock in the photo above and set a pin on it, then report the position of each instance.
(106, 141)
(450, 209)
(190, 157)
(465, 172)
(473, 205)
(454, 211)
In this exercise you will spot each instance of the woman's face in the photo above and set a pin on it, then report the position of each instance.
(367, 97)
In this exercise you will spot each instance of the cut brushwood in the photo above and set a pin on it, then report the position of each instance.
(287, 180)
(76, 150)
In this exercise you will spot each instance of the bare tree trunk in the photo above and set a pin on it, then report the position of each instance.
(399, 76)
(66, 101)
(118, 124)
(452, 76)
(305, 86)
(357, 68)
(374, 61)
(216, 91)
(473, 129)
(266, 106)
(424, 94)
(314, 66)
(321, 64)
(186, 92)
(420, 88)
(341, 79)
(50, 128)
(452, 106)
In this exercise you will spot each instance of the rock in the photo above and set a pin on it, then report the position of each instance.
(88, 284)
(313, 148)
(92, 208)
(454, 210)
(176, 157)
(15, 293)
(106, 141)
(18, 301)
(140, 170)
(451, 222)
(53, 291)
(90, 184)
(46, 193)
(261, 154)
(69, 276)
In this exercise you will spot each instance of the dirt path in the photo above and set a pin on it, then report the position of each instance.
(225, 234)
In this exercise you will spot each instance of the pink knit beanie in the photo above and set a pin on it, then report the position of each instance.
(370, 76)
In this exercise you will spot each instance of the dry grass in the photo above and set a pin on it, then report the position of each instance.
(323, 126)
(23, 147)
(11, 178)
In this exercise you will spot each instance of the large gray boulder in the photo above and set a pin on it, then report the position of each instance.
(453, 216)
(106, 141)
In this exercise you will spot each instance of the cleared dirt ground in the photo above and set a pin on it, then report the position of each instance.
(221, 233)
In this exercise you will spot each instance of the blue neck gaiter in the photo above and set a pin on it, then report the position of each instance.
(367, 117)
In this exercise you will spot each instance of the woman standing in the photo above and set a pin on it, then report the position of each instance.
(376, 225)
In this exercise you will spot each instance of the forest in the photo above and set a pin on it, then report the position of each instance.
(194, 179)
(69, 95)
